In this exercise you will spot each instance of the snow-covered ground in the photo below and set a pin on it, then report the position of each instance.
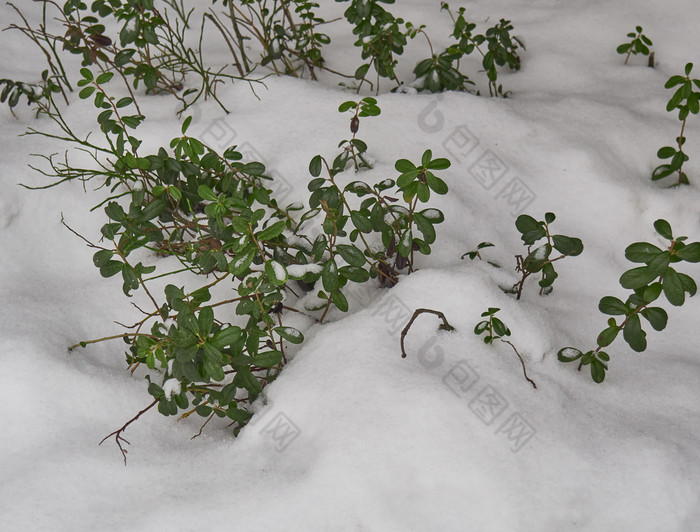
(353, 437)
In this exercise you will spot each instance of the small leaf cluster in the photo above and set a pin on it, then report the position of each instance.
(300, 40)
(11, 91)
(647, 283)
(541, 259)
(379, 34)
(439, 73)
(639, 44)
(114, 125)
(140, 28)
(497, 47)
(687, 101)
(495, 329)
(492, 326)
(354, 148)
(475, 253)
(377, 213)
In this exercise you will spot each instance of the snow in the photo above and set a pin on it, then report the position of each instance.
(351, 437)
(299, 270)
(170, 387)
(279, 270)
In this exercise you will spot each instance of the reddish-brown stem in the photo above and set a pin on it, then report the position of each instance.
(445, 326)
(522, 363)
(118, 433)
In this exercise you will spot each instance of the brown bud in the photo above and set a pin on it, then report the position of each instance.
(354, 124)
(100, 40)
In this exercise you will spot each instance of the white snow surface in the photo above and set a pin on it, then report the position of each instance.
(353, 437)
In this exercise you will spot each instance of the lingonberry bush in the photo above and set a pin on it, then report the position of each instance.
(494, 329)
(206, 218)
(211, 213)
(647, 284)
(687, 101)
(639, 44)
(541, 260)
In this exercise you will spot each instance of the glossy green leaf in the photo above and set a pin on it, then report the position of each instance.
(657, 317)
(641, 252)
(633, 333)
(636, 278)
(290, 334)
(663, 228)
(673, 287)
(612, 306)
(568, 354)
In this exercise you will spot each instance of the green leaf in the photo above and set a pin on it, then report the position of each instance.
(652, 292)
(206, 193)
(102, 257)
(351, 255)
(272, 231)
(267, 359)
(436, 184)
(608, 336)
(276, 272)
(205, 321)
(566, 354)
(690, 252)
(656, 316)
(634, 335)
(404, 165)
(598, 371)
(636, 278)
(666, 152)
(85, 72)
(226, 337)
(329, 276)
(354, 274)
(360, 221)
(567, 245)
(439, 164)
(340, 301)
(612, 306)
(663, 228)
(315, 166)
(688, 284)
(530, 228)
(111, 268)
(241, 263)
(86, 92)
(405, 243)
(658, 265)
(105, 77)
(290, 334)
(407, 177)
(641, 252)
(673, 287)
(245, 379)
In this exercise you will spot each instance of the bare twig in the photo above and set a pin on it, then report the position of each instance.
(203, 425)
(445, 326)
(522, 362)
(118, 433)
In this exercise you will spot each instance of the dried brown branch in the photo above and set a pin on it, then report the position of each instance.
(445, 326)
(118, 433)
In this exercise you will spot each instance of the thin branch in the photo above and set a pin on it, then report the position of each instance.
(522, 362)
(118, 433)
(445, 326)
